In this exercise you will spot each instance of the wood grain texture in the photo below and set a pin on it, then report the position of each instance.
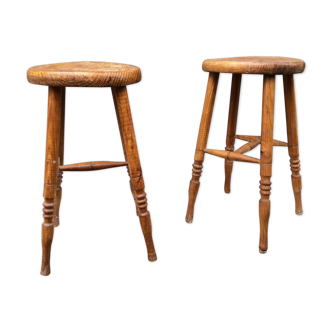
(255, 138)
(92, 166)
(84, 74)
(231, 127)
(51, 172)
(203, 135)
(267, 65)
(293, 144)
(128, 139)
(58, 196)
(266, 159)
(232, 156)
(248, 147)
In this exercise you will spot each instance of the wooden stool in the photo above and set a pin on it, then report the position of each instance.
(87, 74)
(269, 67)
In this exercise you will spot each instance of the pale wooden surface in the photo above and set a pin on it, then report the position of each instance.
(267, 65)
(84, 74)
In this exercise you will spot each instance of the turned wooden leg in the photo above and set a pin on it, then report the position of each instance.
(266, 159)
(231, 128)
(125, 154)
(51, 170)
(293, 143)
(61, 151)
(201, 143)
(137, 186)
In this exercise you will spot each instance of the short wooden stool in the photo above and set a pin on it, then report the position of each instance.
(87, 74)
(269, 67)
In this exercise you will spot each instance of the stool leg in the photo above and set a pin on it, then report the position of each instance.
(231, 128)
(201, 143)
(51, 168)
(61, 151)
(127, 133)
(266, 159)
(125, 154)
(293, 144)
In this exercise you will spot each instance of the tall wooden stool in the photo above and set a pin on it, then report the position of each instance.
(87, 74)
(269, 67)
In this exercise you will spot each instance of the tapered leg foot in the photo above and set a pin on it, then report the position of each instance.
(193, 190)
(47, 238)
(264, 212)
(152, 257)
(145, 219)
(296, 181)
(228, 175)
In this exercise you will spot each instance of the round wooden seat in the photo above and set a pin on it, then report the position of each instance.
(87, 74)
(267, 65)
(84, 74)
